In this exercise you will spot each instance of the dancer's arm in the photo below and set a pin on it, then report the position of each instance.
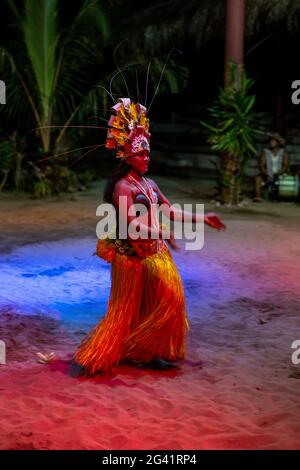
(177, 214)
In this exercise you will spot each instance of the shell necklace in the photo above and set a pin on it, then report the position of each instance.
(149, 194)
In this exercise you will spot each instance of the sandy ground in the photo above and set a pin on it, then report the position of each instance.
(237, 388)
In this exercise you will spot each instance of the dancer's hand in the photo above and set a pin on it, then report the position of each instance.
(214, 221)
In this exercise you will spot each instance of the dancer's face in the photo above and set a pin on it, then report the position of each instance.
(139, 162)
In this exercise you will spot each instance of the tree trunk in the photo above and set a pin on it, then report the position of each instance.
(234, 52)
(4, 179)
(230, 183)
(234, 35)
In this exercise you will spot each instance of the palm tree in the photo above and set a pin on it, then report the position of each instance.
(234, 129)
(45, 65)
(166, 21)
(57, 64)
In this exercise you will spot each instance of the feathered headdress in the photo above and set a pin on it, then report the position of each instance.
(129, 129)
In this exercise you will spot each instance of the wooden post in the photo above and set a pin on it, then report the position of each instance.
(234, 35)
(234, 52)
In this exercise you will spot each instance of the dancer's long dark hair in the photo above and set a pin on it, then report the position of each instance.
(120, 171)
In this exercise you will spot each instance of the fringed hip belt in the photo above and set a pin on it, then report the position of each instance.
(107, 248)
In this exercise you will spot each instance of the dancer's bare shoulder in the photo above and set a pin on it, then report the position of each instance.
(153, 184)
(151, 181)
(123, 188)
(123, 185)
(161, 197)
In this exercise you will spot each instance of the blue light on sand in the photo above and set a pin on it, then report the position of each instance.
(61, 279)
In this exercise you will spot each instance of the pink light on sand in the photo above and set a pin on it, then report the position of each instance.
(236, 389)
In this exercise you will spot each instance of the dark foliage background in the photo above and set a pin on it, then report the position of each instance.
(132, 35)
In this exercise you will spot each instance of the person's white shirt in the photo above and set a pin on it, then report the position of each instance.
(275, 164)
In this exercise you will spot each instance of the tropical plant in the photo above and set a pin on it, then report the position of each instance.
(6, 161)
(55, 179)
(46, 72)
(55, 68)
(86, 178)
(232, 130)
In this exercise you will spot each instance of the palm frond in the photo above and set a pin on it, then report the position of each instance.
(41, 36)
(234, 123)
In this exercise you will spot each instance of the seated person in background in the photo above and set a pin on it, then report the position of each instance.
(273, 162)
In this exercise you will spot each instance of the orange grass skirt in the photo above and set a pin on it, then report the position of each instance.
(146, 315)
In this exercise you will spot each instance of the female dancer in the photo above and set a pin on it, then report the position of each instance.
(146, 322)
